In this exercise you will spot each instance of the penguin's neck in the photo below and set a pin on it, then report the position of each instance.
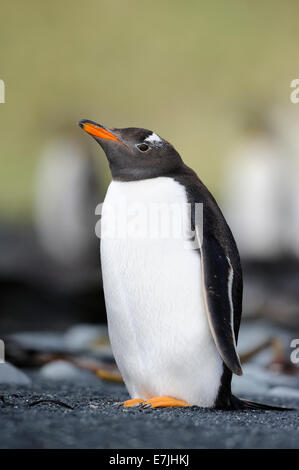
(154, 190)
(154, 209)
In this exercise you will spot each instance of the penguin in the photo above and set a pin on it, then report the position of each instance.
(66, 191)
(173, 312)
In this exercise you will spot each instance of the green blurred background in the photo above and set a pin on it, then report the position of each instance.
(189, 70)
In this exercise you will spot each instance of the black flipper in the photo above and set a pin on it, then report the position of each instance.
(223, 293)
(242, 404)
(218, 278)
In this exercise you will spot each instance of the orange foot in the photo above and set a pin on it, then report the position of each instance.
(133, 402)
(163, 402)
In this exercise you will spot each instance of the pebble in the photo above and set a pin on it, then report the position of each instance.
(9, 374)
(64, 371)
(78, 338)
(40, 341)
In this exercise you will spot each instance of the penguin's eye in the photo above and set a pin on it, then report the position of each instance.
(142, 147)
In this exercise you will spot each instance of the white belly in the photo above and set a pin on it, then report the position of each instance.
(156, 318)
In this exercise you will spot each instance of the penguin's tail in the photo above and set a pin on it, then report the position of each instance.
(242, 404)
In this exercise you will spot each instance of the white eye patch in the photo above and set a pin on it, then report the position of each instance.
(154, 139)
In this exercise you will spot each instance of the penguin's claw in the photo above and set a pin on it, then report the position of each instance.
(133, 402)
(163, 402)
(155, 402)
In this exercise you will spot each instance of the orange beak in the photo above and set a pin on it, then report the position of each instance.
(96, 130)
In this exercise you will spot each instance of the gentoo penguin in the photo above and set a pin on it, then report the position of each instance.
(173, 312)
(254, 206)
(66, 193)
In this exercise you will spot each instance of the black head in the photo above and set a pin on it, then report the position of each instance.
(134, 154)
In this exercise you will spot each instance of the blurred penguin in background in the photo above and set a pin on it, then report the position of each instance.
(256, 193)
(261, 206)
(50, 272)
(67, 193)
(285, 121)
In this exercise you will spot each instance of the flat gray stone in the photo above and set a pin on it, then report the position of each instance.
(284, 392)
(40, 341)
(9, 374)
(64, 371)
(60, 370)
